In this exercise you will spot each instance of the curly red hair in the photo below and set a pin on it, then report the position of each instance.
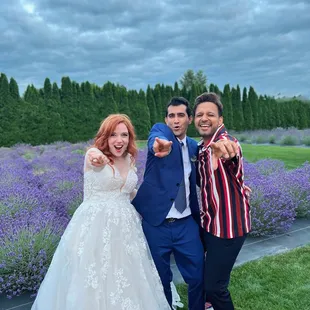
(107, 127)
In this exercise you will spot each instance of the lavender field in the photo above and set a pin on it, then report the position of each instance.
(278, 136)
(41, 187)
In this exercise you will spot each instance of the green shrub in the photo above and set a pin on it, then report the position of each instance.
(272, 139)
(289, 140)
(261, 139)
(242, 138)
(29, 155)
(306, 141)
(81, 152)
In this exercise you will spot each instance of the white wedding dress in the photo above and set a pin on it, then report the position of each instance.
(103, 261)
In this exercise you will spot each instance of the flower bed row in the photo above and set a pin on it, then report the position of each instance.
(40, 188)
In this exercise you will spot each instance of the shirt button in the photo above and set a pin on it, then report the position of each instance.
(171, 199)
(178, 184)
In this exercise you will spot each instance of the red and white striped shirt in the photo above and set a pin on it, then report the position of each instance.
(225, 211)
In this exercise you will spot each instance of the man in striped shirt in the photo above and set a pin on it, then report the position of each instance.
(225, 210)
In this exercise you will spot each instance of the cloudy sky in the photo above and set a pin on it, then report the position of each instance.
(263, 43)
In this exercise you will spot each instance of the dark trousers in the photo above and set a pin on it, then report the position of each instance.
(182, 239)
(220, 258)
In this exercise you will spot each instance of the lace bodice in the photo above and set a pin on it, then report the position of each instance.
(107, 182)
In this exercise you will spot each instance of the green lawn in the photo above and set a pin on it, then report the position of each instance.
(273, 283)
(141, 143)
(293, 157)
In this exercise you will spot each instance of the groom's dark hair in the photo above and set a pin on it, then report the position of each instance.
(175, 101)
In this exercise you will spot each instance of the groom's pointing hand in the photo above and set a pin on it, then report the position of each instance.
(161, 147)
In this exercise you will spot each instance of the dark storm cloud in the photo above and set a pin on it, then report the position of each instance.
(135, 43)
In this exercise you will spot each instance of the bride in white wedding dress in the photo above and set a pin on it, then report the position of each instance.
(103, 261)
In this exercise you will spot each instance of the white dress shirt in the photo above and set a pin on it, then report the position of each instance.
(187, 171)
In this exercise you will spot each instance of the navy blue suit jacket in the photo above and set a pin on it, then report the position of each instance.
(162, 177)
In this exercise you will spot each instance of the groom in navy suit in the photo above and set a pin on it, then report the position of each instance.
(167, 202)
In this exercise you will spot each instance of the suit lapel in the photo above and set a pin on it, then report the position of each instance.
(190, 153)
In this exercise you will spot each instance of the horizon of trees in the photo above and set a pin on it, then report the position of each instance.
(73, 111)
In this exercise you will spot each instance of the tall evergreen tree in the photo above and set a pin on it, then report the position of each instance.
(217, 90)
(227, 107)
(273, 113)
(116, 96)
(97, 92)
(151, 105)
(261, 118)
(307, 113)
(53, 119)
(184, 93)
(68, 108)
(211, 88)
(35, 117)
(167, 94)
(76, 99)
(108, 105)
(302, 114)
(193, 94)
(159, 103)
(188, 79)
(30, 124)
(263, 112)
(191, 78)
(41, 93)
(176, 90)
(244, 95)
(4, 89)
(47, 89)
(145, 123)
(5, 111)
(247, 110)
(13, 113)
(14, 91)
(58, 113)
(279, 111)
(237, 108)
(201, 81)
(253, 100)
(89, 118)
(123, 106)
(268, 113)
(286, 119)
(140, 115)
(55, 92)
(32, 95)
(39, 116)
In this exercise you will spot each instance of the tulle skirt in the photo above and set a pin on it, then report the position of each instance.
(102, 263)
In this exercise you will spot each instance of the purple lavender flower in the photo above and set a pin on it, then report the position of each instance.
(41, 187)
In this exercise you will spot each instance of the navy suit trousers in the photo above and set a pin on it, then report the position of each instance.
(181, 238)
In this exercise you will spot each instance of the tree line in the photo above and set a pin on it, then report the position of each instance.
(73, 111)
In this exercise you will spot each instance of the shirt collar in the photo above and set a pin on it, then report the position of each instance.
(183, 140)
(214, 138)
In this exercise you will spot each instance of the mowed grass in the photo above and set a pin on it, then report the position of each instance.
(292, 156)
(141, 144)
(272, 283)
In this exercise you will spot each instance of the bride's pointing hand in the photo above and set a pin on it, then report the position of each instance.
(98, 160)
